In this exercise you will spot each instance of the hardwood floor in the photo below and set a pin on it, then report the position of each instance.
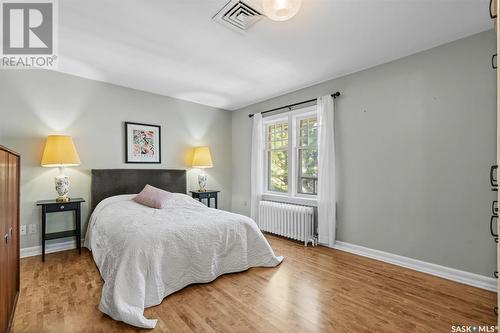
(313, 290)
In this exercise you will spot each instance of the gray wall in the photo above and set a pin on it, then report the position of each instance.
(415, 139)
(35, 103)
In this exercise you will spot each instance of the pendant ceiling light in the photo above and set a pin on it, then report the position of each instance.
(281, 10)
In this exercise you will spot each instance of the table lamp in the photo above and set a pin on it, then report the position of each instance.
(202, 160)
(60, 152)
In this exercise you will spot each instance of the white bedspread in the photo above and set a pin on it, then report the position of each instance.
(146, 254)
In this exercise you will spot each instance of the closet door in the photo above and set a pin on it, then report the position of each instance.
(4, 291)
(13, 225)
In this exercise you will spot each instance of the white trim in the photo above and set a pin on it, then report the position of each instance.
(291, 200)
(471, 279)
(49, 248)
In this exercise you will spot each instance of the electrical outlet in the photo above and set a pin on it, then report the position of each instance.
(32, 228)
(23, 229)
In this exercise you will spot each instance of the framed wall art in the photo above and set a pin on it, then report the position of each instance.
(142, 143)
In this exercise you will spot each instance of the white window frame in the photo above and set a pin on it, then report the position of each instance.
(274, 120)
(292, 117)
(297, 119)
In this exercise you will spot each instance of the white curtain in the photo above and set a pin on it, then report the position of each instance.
(257, 166)
(326, 171)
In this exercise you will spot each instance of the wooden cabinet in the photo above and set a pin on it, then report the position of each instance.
(9, 232)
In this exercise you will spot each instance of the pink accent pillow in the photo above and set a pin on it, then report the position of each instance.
(152, 197)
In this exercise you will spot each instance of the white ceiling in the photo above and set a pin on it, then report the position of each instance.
(173, 48)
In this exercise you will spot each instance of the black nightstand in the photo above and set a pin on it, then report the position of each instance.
(52, 206)
(208, 194)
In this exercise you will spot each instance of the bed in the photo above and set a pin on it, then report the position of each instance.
(146, 254)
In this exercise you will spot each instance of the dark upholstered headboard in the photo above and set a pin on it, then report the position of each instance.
(109, 182)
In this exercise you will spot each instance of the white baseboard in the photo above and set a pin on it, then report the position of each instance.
(471, 279)
(49, 248)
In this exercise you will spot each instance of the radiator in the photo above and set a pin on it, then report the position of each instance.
(292, 221)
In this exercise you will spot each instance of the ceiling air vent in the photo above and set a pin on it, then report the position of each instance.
(237, 15)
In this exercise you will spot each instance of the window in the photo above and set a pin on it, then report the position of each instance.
(308, 156)
(277, 155)
(291, 154)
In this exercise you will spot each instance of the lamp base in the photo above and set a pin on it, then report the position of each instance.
(202, 182)
(62, 187)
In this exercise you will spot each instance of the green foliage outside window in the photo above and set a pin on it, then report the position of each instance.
(279, 171)
(278, 157)
(278, 151)
(308, 156)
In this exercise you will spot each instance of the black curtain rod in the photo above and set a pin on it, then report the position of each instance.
(334, 95)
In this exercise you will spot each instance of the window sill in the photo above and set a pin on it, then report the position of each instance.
(291, 200)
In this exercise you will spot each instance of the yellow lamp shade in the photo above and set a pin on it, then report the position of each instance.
(60, 151)
(202, 158)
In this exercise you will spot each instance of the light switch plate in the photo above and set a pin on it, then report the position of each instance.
(23, 229)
